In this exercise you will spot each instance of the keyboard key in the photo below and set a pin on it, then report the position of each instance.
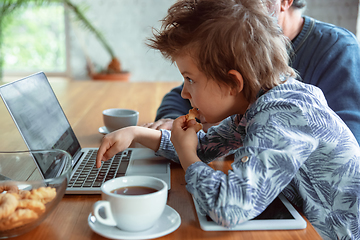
(87, 175)
(123, 167)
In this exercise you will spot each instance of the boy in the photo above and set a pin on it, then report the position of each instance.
(322, 54)
(283, 135)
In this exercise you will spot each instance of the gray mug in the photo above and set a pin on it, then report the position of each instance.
(116, 118)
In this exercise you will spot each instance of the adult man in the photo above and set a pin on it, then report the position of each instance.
(324, 55)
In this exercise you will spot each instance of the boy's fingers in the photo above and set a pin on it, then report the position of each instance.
(191, 123)
(180, 122)
(100, 157)
(103, 152)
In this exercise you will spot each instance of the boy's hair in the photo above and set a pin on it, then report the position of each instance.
(221, 35)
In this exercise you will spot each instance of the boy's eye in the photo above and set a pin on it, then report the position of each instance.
(189, 80)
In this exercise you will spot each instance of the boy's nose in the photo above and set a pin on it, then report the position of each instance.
(185, 94)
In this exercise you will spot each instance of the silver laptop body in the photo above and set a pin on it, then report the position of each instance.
(42, 123)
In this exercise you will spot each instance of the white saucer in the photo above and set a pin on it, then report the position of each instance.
(103, 130)
(169, 221)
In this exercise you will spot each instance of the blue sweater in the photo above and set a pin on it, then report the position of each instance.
(326, 56)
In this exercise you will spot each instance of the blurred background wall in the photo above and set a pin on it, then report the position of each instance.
(342, 13)
(127, 24)
(48, 39)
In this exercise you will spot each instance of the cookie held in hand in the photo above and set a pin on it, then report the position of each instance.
(193, 113)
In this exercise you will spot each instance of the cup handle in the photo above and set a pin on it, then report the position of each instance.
(109, 220)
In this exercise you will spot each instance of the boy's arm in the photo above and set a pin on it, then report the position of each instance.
(262, 168)
(121, 139)
(209, 147)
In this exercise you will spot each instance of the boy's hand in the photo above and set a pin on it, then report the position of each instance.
(185, 141)
(183, 135)
(121, 139)
(113, 143)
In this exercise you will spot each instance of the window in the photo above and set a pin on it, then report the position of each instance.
(34, 40)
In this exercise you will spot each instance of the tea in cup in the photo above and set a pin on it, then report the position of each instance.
(116, 118)
(132, 203)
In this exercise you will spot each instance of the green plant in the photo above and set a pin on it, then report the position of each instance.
(9, 7)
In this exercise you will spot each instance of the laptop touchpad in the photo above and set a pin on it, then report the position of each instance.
(148, 166)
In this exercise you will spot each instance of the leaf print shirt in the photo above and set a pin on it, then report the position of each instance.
(288, 141)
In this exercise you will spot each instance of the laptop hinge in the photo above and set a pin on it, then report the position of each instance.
(77, 157)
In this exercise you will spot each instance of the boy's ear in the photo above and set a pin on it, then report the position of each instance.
(285, 5)
(237, 77)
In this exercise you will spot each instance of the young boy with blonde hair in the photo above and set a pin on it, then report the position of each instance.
(284, 137)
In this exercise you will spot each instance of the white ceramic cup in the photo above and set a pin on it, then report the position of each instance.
(116, 118)
(131, 212)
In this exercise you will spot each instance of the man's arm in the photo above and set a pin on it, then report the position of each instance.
(173, 105)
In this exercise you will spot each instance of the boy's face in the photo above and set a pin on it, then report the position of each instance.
(214, 103)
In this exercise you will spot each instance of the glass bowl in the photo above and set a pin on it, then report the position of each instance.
(30, 191)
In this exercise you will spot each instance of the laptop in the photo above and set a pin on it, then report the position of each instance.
(43, 125)
(279, 215)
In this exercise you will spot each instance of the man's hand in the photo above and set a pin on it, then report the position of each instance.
(165, 123)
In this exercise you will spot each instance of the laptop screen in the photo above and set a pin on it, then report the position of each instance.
(38, 116)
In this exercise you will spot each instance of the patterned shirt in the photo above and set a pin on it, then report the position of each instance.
(288, 141)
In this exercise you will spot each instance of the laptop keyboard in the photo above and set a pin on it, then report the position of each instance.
(87, 175)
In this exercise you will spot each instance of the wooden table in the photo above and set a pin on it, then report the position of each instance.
(83, 102)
